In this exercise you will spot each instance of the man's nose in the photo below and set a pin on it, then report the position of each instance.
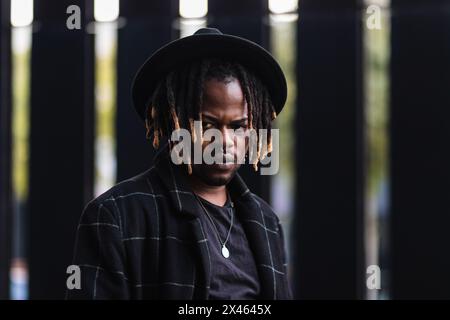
(227, 138)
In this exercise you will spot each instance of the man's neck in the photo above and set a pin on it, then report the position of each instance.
(213, 194)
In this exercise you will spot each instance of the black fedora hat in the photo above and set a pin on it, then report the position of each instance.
(209, 43)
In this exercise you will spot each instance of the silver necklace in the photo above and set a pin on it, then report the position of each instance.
(225, 251)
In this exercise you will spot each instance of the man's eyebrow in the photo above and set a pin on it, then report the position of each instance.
(212, 118)
(239, 120)
(209, 117)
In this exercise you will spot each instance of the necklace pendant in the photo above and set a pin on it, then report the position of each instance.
(225, 252)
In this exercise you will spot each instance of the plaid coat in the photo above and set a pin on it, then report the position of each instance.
(143, 239)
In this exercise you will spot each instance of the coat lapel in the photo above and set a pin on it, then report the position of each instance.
(185, 203)
(252, 219)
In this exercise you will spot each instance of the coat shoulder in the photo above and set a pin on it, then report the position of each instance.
(137, 184)
(129, 189)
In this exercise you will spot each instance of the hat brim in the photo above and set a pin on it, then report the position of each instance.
(195, 47)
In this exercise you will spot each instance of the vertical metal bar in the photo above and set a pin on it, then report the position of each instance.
(147, 26)
(420, 153)
(328, 143)
(57, 151)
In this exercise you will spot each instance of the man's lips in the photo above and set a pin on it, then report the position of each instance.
(222, 166)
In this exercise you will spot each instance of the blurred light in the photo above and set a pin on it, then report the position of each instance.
(21, 40)
(21, 12)
(193, 8)
(283, 6)
(284, 18)
(381, 3)
(105, 105)
(106, 10)
(189, 26)
(106, 38)
(19, 279)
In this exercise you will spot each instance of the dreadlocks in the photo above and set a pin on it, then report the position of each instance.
(177, 99)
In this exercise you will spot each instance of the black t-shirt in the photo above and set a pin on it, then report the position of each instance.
(235, 277)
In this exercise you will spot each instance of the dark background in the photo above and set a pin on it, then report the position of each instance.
(328, 246)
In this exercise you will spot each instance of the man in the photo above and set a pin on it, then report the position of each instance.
(191, 230)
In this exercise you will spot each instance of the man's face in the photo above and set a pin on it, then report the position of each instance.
(224, 108)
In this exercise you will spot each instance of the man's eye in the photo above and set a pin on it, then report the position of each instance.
(239, 127)
(240, 132)
(207, 125)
